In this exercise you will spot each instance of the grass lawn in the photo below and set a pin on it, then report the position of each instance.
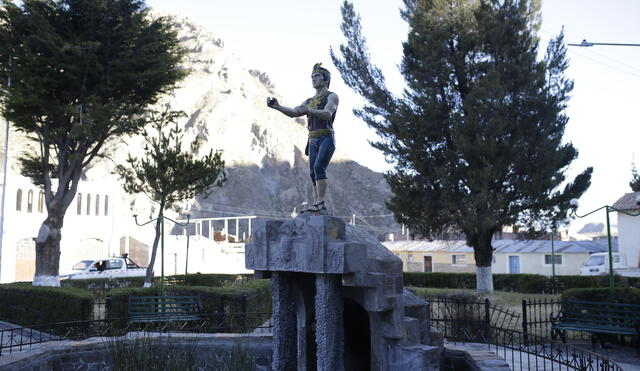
(506, 300)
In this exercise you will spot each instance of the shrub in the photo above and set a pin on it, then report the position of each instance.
(99, 284)
(440, 280)
(198, 279)
(210, 279)
(523, 283)
(27, 305)
(252, 296)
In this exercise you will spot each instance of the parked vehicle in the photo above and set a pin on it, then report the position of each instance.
(598, 264)
(104, 268)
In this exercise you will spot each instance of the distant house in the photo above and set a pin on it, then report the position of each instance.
(510, 256)
(629, 228)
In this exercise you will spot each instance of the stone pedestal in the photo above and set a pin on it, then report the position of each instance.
(338, 299)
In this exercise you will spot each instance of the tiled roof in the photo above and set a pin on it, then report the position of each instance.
(505, 246)
(627, 202)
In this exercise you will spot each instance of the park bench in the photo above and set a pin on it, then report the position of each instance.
(598, 318)
(164, 308)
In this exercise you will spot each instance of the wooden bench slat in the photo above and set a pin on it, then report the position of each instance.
(592, 304)
(164, 308)
(598, 317)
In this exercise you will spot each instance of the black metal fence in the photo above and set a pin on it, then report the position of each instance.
(522, 339)
(19, 338)
(536, 319)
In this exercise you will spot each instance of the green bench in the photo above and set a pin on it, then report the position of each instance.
(164, 308)
(595, 317)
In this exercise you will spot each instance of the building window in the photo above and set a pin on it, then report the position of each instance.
(79, 204)
(106, 205)
(548, 259)
(458, 259)
(41, 202)
(410, 258)
(97, 204)
(30, 201)
(88, 204)
(19, 200)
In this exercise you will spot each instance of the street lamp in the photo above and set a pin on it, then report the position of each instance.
(574, 206)
(587, 44)
(161, 217)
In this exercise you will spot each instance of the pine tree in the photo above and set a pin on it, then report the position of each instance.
(635, 178)
(83, 72)
(476, 138)
(167, 174)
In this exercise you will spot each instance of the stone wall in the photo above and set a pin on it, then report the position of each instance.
(208, 351)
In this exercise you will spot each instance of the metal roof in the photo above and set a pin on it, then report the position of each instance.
(505, 246)
(627, 202)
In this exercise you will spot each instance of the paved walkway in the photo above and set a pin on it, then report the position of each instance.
(625, 357)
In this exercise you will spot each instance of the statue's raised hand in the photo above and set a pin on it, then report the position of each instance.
(272, 102)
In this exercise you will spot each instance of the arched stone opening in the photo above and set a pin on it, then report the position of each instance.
(357, 337)
(305, 317)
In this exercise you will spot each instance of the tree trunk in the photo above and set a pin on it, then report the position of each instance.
(48, 250)
(149, 276)
(483, 253)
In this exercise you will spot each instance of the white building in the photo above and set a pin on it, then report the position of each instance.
(99, 223)
(510, 256)
(629, 228)
(91, 228)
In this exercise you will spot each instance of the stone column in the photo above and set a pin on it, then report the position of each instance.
(329, 323)
(284, 322)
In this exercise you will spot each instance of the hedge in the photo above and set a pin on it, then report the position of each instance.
(27, 305)
(197, 279)
(523, 283)
(623, 295)
(97, 284)
(253, 296)
(209, 279)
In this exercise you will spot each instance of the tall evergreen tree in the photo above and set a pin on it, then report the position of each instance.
(167, 174)
(635, 178)
(83, 72)
(476, 138)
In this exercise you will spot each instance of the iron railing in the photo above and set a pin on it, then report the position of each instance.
(536, 319)
(469, 321)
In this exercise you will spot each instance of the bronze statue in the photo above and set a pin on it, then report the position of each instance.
(321, 112)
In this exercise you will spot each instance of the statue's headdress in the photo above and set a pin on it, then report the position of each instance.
(325, 72)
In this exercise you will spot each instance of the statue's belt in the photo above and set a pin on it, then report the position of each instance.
(319, 133)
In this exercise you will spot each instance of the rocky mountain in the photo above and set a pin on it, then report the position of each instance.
(268, 172)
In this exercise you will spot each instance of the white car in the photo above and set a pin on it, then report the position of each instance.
(598, 264)
(104, 268)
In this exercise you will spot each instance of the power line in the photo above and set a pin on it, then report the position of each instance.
(632, 70)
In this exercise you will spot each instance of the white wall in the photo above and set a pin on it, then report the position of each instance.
(83, 235)
(205, 256)
(629, 238)
(534, 263)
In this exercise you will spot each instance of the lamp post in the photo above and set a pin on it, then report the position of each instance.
(608, 209)
(161, 217)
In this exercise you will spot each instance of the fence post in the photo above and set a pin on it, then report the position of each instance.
(487, 320)
(525, 331)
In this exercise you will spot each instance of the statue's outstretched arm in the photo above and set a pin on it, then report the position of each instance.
(291, 112)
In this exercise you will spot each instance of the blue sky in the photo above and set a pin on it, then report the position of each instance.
(284, 38)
